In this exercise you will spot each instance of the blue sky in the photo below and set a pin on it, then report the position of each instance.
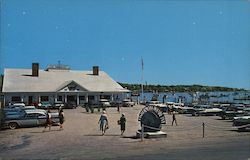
(181, 42)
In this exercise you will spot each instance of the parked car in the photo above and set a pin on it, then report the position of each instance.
(16, 104)
(21, 111)
(70, 105)
(127, 103)
(31, 118)
(28, 107)
(115, 103)
(19, 104)
(58, 104)
(44, 105)
(13, 111)
(13, 115)
(104, 103)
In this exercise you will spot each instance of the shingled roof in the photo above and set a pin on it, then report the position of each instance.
(21, 80)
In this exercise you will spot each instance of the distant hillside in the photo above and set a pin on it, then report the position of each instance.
(178, 88)
(165, 88)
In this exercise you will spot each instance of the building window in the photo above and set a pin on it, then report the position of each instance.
(59, 98)
(81, 97)
(91, 98)
(44, 98)
(16, 99)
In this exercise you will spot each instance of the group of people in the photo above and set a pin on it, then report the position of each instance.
(49, 119)
(103, 122)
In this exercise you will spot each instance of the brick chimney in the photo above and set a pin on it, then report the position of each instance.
(35, 69)
(95, 70)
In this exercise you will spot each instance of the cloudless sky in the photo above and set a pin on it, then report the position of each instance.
(181, 42)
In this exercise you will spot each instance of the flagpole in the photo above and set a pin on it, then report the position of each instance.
(142, 67)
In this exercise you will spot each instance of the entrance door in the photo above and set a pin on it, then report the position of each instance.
(71, 101)
(91, 99)
(30, 100)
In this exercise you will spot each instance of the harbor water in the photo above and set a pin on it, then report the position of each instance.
(242, 97)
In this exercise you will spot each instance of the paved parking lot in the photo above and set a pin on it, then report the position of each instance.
(81, 139)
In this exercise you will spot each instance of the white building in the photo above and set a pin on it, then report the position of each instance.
(59, 84)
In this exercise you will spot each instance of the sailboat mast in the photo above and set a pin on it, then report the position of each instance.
(142, 68)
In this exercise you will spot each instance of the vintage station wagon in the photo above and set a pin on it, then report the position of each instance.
(31, 118)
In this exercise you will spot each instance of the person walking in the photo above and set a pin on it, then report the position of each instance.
(118, 104)
(60, 108)
(122, 123)
(61, 118)
(174, 118)
(103, 121)
(118, 107)
(48, 121)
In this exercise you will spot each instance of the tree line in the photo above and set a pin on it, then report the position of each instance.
(177, 88)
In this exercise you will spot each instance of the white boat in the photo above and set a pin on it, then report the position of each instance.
(176, 106)
(206, 110)
(163, 107)
(242, 122)
(210, 111)
(185, 110)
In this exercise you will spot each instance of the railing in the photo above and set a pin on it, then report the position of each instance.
(203, 126)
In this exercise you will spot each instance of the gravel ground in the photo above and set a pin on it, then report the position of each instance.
(81, 139)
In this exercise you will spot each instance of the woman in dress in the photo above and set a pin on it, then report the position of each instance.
(103, 121)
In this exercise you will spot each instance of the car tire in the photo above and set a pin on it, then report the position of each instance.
(13, 125)
(242, 129)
